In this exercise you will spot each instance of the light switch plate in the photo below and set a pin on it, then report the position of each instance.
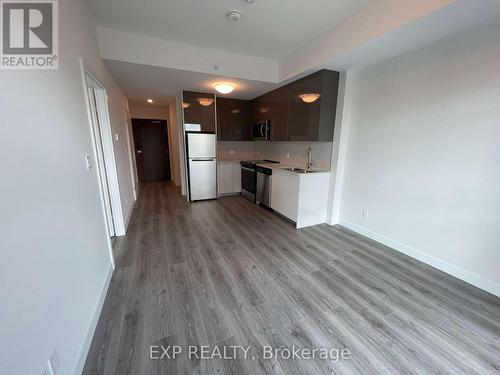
(364, 212)
(117, 137)
(88, 162)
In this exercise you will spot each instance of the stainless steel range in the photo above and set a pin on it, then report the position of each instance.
(249, 177)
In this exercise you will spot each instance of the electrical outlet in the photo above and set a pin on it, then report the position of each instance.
(288, 155)
(117, 137)
(231, 152)
(364, 212)
(54, 362)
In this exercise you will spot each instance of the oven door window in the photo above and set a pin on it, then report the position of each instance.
(248, 179)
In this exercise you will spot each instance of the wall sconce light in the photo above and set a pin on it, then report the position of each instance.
(185, 105)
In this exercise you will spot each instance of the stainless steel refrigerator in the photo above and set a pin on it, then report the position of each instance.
(202, 165)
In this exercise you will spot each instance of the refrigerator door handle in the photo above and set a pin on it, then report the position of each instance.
(202, 159)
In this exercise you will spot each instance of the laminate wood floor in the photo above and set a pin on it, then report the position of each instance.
(229, 273)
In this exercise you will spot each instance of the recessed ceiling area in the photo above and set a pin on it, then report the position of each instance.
(159, 68)
(270, 29)
(140, 82)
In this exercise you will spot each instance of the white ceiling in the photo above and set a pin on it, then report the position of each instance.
(268, 28)
(140, 82)
(447, 22)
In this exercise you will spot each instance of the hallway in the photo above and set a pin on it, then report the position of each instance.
(226, 272)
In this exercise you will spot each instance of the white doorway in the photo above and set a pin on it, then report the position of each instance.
(102, 137)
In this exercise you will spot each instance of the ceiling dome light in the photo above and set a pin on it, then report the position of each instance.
(185, 105)
(224, 87)
(150, 101)
(309, 97)
(205, 101)
(263, 109)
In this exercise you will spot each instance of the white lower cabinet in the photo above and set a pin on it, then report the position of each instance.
(229, 177)
(285, 194)
(301, 198)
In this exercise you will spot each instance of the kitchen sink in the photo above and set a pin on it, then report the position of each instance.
(299, 170)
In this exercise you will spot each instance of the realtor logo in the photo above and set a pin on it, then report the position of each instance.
(29, 34)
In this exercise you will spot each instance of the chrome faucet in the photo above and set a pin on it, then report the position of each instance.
(309, 159)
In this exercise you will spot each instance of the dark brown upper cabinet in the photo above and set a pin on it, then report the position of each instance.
(273, 107)
(233, 119)
(304, 117)
(292, 118)
(278, 114)
(197, 113)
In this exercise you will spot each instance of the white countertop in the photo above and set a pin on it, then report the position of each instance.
(279, 167)
(282, 167)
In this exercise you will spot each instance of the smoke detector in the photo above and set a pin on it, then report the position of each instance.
(233, 15)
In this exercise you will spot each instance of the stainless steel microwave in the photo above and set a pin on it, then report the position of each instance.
(261, 130)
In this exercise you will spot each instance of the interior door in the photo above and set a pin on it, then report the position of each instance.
(101, 161)
(151, 149)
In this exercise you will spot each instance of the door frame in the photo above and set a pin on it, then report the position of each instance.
(89, 81)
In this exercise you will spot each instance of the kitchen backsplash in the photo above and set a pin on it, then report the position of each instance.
(294, 153)
(236, 150)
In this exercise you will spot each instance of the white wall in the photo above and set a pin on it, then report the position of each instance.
(180, 136)
(134, 48)
(149, 112)
(53, 244)
(423, 155)
(173, 131)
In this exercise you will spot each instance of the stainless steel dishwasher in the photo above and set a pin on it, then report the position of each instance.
(264, 185)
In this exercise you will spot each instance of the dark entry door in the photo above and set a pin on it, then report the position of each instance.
(151, 149)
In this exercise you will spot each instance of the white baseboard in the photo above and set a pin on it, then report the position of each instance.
(449, 268)
(129, 216)
(84, 350)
